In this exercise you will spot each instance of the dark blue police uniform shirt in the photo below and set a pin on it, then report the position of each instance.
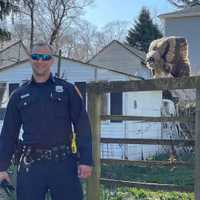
(46, 112)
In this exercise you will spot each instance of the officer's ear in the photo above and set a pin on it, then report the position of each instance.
(52, 60)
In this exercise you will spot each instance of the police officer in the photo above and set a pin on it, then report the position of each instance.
(48, 109)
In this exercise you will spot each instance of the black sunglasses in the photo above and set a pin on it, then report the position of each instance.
(44, 57)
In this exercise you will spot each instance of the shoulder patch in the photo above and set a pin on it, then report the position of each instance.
(59, 79)
(24, 83)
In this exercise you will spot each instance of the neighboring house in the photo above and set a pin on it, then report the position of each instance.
(122, 57)
(129, 103)
(12, 54)
(186, 23)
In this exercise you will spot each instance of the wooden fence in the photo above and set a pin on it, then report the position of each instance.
(96, 89)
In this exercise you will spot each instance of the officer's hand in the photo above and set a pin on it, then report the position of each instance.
(84, 171)
(4, 176)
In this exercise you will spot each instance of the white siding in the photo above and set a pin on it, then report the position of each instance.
(12, 55)
(117, 57)
(103, 74)
(70, 70)
(148, 104)
(188, 27)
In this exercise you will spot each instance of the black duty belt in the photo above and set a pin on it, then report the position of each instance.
(32, 154)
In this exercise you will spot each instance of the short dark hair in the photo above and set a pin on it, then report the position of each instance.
(41, 44)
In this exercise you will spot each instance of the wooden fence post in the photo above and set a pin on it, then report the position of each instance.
(94, 108)
(197, 146)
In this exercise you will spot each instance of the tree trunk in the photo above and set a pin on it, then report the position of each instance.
(32, 28)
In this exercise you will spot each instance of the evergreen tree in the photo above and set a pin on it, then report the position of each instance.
(143, 32)
(184, 3)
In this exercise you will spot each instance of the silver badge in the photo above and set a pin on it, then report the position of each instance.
(59, 88)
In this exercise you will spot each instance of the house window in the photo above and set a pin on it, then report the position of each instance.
(12, 87)
(82, 88)
(116, 104)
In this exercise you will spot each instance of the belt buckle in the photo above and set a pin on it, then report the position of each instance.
(26, 161)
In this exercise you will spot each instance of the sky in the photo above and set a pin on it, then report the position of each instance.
(105, 11)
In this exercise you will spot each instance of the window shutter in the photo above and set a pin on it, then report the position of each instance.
(82, 88)
(116, 104)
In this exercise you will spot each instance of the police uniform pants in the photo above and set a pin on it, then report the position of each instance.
(60, 177)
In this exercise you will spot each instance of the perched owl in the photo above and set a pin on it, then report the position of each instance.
(168, 56)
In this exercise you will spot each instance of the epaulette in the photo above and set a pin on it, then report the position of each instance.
(24, 83)
(59, 79)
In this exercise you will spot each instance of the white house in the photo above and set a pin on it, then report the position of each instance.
(186, 23)
(122, 57)
(13, 53)
(129, 103)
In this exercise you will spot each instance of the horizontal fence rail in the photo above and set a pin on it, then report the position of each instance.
(144, 85)
(145, 162)
(152, 186)
(147, 119)
(147, 141)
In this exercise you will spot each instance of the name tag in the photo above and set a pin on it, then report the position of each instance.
(24, 96)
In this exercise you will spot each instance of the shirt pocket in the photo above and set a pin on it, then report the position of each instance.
(29, 108)
(59, 101)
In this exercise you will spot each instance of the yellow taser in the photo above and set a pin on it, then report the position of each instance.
(74, 144)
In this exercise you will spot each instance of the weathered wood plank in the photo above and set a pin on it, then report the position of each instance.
(146, 119)
(145, 85)
(145, 162)
(197, 146)
(147, 141)
(93, 183)
(152, 186)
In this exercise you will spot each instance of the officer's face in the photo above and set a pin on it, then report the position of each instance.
(41, 67)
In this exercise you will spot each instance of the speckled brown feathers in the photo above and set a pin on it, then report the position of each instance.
(168, 56)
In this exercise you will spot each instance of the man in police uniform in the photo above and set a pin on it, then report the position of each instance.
(48, 109)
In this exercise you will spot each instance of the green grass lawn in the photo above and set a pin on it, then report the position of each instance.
(179, 175)
(140, 194)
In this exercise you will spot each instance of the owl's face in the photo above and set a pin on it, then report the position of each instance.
(154, 60)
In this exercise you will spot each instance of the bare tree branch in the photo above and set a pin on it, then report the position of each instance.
(184, 3)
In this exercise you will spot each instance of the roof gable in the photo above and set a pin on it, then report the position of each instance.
(137, 53)
(191, 11)
(123, 58)
(13, 54)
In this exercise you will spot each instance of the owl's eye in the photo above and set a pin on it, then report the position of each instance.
(151, 59)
